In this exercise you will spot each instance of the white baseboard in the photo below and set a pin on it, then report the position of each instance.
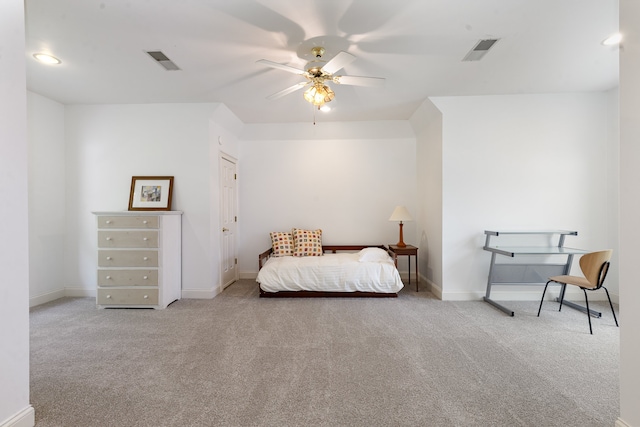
(79, 292)
(24, 418)
(201, 293)
(498, 292)
(61, 293)
(621, 423)
(44, 298)
(430, 286)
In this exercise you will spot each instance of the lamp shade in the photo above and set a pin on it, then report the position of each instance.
(400, 213)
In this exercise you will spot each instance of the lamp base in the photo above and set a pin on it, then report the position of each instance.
(401, 243)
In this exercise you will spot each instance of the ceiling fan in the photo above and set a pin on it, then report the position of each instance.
(318, 72)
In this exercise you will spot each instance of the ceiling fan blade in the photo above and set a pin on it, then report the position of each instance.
(282, 67)
(338, 62)
(359, 81)
(288, 90)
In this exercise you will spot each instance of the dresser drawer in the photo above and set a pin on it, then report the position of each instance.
(127, 277)
(127, 239)
(127, 296)
(113, 258)
(127, 222)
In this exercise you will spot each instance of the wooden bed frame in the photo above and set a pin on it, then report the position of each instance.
(264, 256)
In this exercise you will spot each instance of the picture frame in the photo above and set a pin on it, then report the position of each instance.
(151, 193)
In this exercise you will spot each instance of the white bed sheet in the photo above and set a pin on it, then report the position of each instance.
(340, 272)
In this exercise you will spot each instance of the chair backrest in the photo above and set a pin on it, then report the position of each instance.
(595, 265)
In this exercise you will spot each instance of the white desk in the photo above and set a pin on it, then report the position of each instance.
(529, 273)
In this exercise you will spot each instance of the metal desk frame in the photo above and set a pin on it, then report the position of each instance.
(496, 269)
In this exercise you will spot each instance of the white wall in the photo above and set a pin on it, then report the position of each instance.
(47, 190)
(522, 162)
(106, 146)
(629, 213)
(14, 250)
(547, 145)
(344, 178)
(427, 124)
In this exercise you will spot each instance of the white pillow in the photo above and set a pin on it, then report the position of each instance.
(373, 255)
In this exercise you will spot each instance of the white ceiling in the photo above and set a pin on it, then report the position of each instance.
(545, 46)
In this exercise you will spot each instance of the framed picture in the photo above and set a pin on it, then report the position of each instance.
(151, 193)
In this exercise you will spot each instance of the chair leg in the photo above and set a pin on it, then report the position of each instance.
(588, 312)
(611, 305)
(543, 292)
(563, 289)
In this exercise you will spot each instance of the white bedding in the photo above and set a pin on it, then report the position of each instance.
(340, 272)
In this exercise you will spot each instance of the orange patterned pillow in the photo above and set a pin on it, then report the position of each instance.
(307, 242)
(282, 243)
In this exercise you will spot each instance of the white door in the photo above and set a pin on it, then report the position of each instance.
(229, 220)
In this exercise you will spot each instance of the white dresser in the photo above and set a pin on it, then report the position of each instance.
(139, 258)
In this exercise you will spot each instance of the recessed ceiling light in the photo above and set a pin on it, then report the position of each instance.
(46, 58)
(612, 40)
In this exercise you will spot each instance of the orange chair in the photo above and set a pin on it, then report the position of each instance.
(594, 266)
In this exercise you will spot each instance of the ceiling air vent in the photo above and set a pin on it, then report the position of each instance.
(162, 59)
(480, 49)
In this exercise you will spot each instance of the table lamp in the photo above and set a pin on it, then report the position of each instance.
(400, 213)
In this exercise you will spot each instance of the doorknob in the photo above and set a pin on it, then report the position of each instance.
(224, 229)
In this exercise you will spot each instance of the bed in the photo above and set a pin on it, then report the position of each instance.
(341, 271)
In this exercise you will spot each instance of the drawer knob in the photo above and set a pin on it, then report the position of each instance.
(108, 277)
(109, 296)
(108, 238)
(145, 238)
(146, 297)
(108, 258)
(145, 277)
(145, 222)
(108, 221)
(145, 258)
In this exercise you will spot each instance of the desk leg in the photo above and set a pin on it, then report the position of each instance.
(581, 308)
(409, 258)
(575, 306)
(499, 306)
(487, 297)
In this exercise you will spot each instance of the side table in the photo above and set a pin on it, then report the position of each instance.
(408, 251)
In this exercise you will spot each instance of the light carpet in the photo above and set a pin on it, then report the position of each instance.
(239, 360)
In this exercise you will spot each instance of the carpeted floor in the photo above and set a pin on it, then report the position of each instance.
(238, 360)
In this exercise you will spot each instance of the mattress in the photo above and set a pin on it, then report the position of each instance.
(339, 272)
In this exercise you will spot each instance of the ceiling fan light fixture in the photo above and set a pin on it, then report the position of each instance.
(319, 94)
(318, 72)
